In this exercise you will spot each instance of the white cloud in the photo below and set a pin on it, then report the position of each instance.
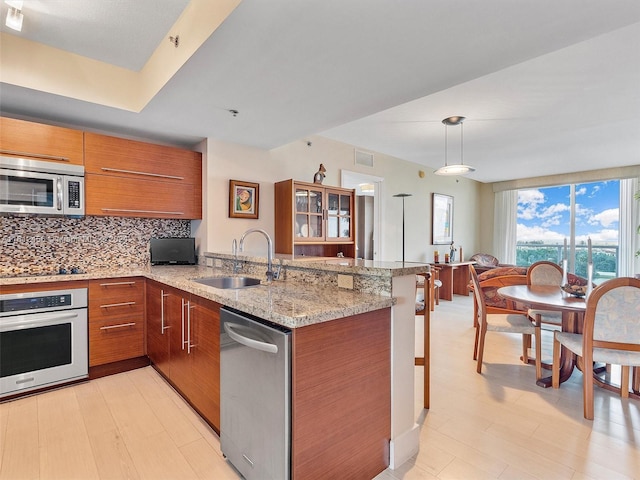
(605, 236)
(583, 211)
(537, 233)
(581, 191)
(554, 210)
(555, 220)
(606, 217)
(530, 196)
(528, 201)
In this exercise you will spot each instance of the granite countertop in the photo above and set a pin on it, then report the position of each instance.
(292, 304)
(335, 264)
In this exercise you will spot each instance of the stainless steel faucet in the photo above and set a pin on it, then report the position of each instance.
(270, 274)
(234, 250)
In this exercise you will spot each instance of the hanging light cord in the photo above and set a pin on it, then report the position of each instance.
(446, 127)
(461, 143)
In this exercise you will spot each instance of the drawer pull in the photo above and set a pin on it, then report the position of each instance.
(109, 327)
(123, 304)
(140, 211)
(147, 174)
(35, 155)
(116, 283)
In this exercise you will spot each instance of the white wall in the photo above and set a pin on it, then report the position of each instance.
(297, 160)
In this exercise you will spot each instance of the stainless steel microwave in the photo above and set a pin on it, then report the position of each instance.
(43, 188)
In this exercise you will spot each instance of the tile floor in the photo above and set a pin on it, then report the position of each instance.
(495, 425)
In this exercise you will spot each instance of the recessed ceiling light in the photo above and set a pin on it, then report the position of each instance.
(14, 15)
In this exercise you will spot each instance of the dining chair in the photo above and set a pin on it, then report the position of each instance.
(611, 334)
(435, 284)
(503, 322)
(545, 273)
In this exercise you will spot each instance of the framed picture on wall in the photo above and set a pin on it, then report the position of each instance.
(244, 199)
(441, 219)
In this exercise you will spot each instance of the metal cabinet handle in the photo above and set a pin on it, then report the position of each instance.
(189, 344)
(123, 304)
(146, 174)
(162, 327)
(113, 284)
(183, 305)
(35, 155)
(140, 211)
(121, 325)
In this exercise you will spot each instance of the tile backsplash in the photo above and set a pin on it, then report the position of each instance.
(43, 245)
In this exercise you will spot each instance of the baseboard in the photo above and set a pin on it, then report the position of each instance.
(404, 446)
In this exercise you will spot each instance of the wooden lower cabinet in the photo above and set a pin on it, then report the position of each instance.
(341, 397)
(116, 320)
(203, 380)
(157, 334)
(183, 343)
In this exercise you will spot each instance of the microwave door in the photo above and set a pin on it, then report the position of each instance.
(32, 193)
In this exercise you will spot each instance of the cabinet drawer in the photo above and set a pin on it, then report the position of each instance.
(115, 309)
(124, 288)
(129, 158)
(37, 141)
(108, 195)
(116, 297)
(115, 339)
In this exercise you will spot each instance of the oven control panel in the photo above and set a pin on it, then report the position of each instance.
(26, 304)
(18, 303)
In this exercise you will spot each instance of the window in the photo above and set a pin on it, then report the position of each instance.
(547, 216)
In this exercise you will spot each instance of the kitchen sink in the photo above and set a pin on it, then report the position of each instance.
(228, 282)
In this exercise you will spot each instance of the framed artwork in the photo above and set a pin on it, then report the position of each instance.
(243, 199)
(441, 219)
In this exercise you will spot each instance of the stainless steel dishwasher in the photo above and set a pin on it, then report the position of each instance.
(255, 395)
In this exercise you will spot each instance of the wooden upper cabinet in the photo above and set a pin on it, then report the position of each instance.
(136, 179)
(131, 197)
(314, 220)
(129, 158)
(37, 141)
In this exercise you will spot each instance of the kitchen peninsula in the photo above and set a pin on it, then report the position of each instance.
(353, 351)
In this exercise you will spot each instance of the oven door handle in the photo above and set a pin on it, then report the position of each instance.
(35, 320)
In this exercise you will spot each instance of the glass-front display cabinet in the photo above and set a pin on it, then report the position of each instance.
(314, 220)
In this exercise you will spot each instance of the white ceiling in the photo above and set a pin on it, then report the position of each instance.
(547, 87)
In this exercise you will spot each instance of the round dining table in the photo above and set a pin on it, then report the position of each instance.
(551, 297)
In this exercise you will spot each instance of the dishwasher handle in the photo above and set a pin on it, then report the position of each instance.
(249, 342)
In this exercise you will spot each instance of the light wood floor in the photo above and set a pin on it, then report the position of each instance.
(495, 425)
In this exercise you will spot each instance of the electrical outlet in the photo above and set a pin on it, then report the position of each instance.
(345, 281)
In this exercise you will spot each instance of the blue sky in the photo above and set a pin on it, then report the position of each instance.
(544, 213)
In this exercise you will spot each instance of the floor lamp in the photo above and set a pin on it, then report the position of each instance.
(403, 196)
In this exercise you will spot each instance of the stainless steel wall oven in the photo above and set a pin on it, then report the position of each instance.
(43, 339)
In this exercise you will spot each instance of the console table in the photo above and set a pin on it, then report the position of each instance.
(454, 278)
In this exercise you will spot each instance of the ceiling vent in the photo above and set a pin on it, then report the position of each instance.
(364, 158)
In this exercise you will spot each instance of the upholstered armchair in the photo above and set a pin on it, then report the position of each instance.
(485, 262)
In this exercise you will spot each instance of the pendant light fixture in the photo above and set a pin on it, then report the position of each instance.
(456, 169)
